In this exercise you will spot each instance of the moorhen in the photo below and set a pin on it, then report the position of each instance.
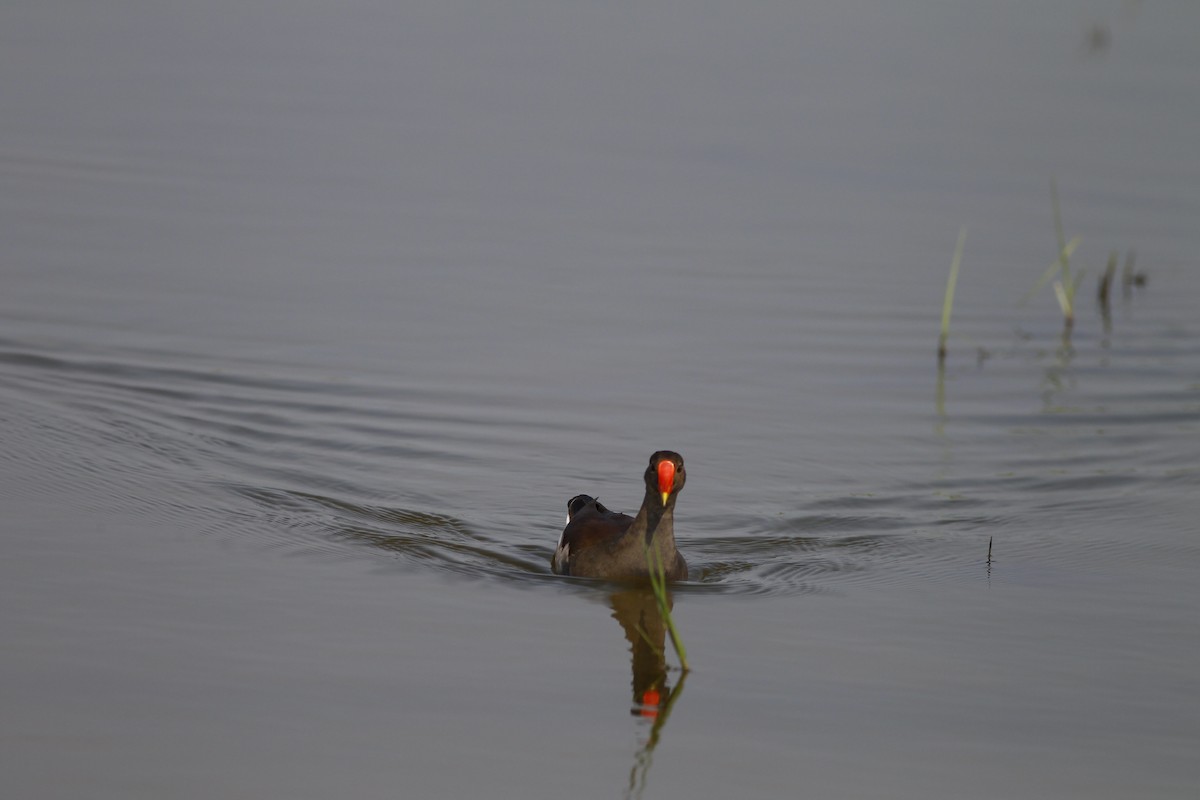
(598, 543)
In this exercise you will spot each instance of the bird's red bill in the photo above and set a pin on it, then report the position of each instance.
(666, 476)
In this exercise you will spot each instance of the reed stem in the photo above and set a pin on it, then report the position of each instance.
(658, 584)
(951, 285)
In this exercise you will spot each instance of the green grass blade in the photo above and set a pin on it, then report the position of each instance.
(952, 282)
(650, 642)
(1064, 300)
(948, 302)
(1064, 257)
(658, 584)
(1110, 270)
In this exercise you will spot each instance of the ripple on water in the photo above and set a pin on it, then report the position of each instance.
(819, 553)
(289, 463)
(360, 468)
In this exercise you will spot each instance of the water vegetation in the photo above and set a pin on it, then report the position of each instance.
(948, 301)
(658, 585)
(1066, 282)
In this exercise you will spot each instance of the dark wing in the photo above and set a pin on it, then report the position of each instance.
(589, 524)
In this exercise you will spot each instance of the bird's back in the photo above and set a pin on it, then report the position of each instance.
(589, 526)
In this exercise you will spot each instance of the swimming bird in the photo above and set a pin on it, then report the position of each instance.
(598, 543)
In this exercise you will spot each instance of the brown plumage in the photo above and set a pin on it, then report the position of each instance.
(598, 543)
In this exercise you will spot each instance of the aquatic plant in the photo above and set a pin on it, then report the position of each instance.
(1106, 282)
(948, 302)
(1067, 283)
(658, 584)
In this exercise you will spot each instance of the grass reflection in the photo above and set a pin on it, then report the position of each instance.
(637, 611)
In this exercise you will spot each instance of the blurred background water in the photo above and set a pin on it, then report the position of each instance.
(314, 316)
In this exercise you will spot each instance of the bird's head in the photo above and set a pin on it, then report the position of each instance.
(665, 476)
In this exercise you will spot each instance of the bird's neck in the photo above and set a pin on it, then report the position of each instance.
(656, 524)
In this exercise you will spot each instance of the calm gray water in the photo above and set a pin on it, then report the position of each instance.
(314, 316)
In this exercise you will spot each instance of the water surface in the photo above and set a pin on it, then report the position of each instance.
(313, 319)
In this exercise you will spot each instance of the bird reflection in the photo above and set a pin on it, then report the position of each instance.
(653, 697)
